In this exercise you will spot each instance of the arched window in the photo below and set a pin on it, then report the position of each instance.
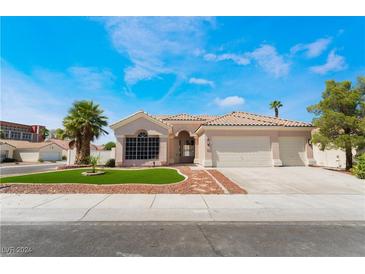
(142, 147)
(142, 134)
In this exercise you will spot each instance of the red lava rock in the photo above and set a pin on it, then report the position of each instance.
(232, 187)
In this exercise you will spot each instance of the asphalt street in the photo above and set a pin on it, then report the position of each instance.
(23, 169)
(183, 239)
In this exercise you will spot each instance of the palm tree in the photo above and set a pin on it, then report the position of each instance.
(44, 132)
(276, 105)
(83, 124)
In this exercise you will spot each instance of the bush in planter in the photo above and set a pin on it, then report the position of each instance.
(359, 168)
(64, 157)
(110, 163)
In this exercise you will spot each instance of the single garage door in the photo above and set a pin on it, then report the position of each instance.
(241, 151)
(50, 155)
(292, 151)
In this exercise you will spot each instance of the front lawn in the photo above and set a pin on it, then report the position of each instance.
(142, 176)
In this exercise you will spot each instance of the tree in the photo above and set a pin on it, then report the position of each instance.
(59, 133)
(44, 132)
(340, 117)
(84, 123)
(109, 145)
(276, 105)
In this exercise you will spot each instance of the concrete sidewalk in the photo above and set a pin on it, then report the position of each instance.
(175, 207)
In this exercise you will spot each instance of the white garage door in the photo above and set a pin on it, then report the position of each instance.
(292, 151)
(241, 151)
(28, 156)
(50, 155)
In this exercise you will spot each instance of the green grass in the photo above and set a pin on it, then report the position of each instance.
(142, 176)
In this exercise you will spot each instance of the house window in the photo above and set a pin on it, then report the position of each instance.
(27, 136)
(142, 147)
(15, 135)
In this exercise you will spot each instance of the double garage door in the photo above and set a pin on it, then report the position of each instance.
(241, 151)
(255, 151)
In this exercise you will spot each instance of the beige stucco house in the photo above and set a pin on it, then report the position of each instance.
(232, 140)
(26, 151)
(6, 150)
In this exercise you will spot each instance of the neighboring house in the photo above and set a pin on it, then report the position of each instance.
(34, 151)
(6, 150)
(14, 131)
(237, 139)
(65, 144)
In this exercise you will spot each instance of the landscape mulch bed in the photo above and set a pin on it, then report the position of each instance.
(197, 182)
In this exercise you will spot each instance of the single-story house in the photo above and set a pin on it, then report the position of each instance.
(65, 144)
(34, 151)
(7, 150)
(236, 139)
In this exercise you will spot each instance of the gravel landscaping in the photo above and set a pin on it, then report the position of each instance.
(198, 181)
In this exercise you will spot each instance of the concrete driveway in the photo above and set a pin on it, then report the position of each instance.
(294, 180)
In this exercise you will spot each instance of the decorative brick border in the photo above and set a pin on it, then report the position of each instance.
(232, 187)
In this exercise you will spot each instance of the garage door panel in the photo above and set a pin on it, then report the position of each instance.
(50, 155)
(241, 151)
(292, 151)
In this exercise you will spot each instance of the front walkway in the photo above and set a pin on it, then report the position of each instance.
(17, 208)
(199, 181)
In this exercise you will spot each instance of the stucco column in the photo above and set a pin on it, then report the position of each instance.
(309, 152)
(171, 151)
(163, 155)
(208, 159)
(275, 149)
(196, 150)
(119, 150)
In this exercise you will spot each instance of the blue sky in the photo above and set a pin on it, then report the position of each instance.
(171, 65)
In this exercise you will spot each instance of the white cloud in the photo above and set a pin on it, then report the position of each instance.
(200, 81)
(334, 63)
(313, 49)
(266, 57)
(229, 101)
(91, 78)
(155, 45)
(24, 101)
(238, 59)
(270, 61)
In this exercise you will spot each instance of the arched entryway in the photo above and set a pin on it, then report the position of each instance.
(186, 147)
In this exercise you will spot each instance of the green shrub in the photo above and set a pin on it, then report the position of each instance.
(94, 162)
(40, 160)
(64, 157)
(8, 160)
(359, 167)
(110, 163)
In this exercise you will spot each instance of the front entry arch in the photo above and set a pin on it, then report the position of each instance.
(185, 147)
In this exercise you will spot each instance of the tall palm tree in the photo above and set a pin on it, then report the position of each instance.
(84, 123)
(276, 105)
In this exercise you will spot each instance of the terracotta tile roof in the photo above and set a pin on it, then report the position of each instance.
(62, 143)
(185, 117)
(238, 118)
